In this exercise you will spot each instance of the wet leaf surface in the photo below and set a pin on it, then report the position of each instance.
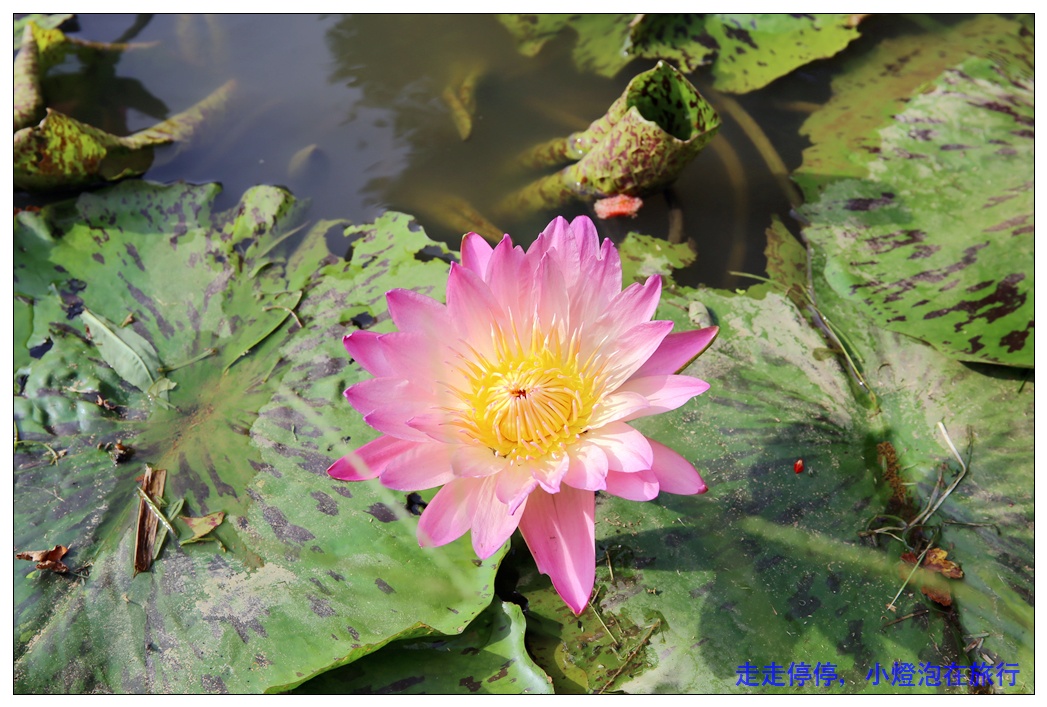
(488, 658)
(311, 578)
(769, 565)
(935, 238)
(46, 559)
(600, 44)
(747, 51)
(643, 256)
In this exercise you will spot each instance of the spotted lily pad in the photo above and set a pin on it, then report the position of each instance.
(316, 574)
(935, 239)
(488, 658)
(643, 256)
(754, 50)
(747, 51)
(769, 569)
(642, 143)
(54, 151)
(600, 46)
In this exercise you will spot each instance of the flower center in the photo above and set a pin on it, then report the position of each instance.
(531, 400)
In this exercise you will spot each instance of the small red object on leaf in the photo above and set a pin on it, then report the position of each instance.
(798, 466)
(618, 205)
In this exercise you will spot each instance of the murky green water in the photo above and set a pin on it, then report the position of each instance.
(366, 92)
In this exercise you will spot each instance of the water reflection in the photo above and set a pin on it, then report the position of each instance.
(348, 112)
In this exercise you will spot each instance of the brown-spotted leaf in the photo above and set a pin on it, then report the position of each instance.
(201, 526)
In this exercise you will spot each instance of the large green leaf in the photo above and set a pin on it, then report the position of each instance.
(769, 565)
(875, 85)
(316, 574)
(489, 658)
(601, 38)
(935, 238)
(747, 51)
(757, 49)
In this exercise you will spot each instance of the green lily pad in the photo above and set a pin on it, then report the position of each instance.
(769, 567)
(41, 21)
(754, 50)
(747, 51)
(935, 240)
(643, 256)
(488, 658)
(601, 38)
(876, 85)
(316, 574)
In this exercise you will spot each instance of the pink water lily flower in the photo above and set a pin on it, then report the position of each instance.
(516, 395)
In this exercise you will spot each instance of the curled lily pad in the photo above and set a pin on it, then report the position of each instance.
(62, 152)
(646, 138)
(59, 152)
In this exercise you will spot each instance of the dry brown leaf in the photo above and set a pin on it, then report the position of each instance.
(145, 534)
(47, 559)
(930, 577)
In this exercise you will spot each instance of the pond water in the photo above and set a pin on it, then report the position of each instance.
(360, 98)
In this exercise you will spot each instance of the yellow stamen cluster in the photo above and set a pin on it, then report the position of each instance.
(532, 397)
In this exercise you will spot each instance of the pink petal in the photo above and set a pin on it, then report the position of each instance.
(637, 486)
(551, 294)
(492, 521)
(471, 307)
(588, 468)
(601, 283)
(510, 276)
(558, 529)
(626, 448)
(414, 312)
(366, 349)
(550, 473)
(471, 460)
(634, 305)
(369, 460)
(513, 486)
(674, 473)
(663, 393)
(619, 405)
(373, 393)
(677, 351)
(449, 514)
(632, 348)
(391, 422)
(552, 236)
(606, 271)
(402, 352)
(476, 253)
(437, 426)
(424, 466)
